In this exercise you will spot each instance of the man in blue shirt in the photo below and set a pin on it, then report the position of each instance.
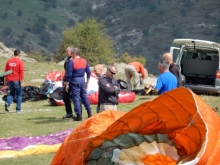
(166, 81)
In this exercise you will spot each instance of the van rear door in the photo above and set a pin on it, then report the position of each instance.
(175, 52)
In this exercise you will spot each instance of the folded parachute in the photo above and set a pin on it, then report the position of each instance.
(177, 127)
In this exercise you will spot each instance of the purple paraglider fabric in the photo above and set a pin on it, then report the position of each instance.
(21, 142)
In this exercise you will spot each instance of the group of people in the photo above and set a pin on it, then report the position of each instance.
(75, 87)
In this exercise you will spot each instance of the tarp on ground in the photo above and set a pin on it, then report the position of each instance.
(27, 145)
(177, 127)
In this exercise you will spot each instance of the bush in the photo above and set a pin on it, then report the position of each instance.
(38, 27)
(91, 38)
(37, 55)
(5, 15)
(177, 32)
(42, 19)
(6, 31)
(45, 36)
(52, 26)
(19, 13)
(75, 4)
(127, 58)
(43, 44)
(218, 23)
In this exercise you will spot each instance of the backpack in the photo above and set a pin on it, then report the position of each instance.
(56, 98)
(44, 90)
(123, 85)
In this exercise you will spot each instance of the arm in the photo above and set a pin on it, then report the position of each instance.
(22, 73)
(88, 73)
(158, 85)
(142, 71)
(5, 77)
(69, 71)
(106, 86)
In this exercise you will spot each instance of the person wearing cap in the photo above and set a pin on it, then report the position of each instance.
(14, 80)
(134, 69)
(108, 90)
(76, 69)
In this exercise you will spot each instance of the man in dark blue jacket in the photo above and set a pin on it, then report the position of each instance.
(76, 69)
(66, 94)
(108, 90)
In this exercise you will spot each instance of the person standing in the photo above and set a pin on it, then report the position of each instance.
(98, 70)
(166, 80)
(108, 90)
(174, 69)
(134, 69)
(15, 80)
(76, 69)
(66, 94)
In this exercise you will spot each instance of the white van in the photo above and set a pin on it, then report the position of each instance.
(199, 64)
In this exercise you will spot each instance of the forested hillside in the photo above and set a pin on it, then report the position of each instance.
(139, 27)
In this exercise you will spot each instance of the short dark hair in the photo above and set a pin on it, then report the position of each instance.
(17, 52)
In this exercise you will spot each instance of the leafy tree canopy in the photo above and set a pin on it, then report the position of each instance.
(91, 38)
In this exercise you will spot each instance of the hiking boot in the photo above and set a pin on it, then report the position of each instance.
(89, 114)
(68, 116)
(78, 118)
(6, 107)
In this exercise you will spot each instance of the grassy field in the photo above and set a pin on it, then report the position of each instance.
(39, 118)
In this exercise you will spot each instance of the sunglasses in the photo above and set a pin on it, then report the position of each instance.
(112, 72)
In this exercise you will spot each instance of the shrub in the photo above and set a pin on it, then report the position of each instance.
(19, 13)
(91, 38)
(6, 31)
(127, 58)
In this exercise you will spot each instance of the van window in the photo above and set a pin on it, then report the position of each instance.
(175, 54)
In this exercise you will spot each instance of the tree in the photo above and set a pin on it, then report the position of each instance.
(52, 26)
(38, 27)
(91, 38)
(42, 19)
(218, 23)
(6, 31)
(5, 15)
(45, 36)
(19, 13)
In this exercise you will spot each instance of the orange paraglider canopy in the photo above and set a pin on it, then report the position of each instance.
(178, 125)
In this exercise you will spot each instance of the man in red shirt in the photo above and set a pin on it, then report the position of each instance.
(134, 69)
(14, 80)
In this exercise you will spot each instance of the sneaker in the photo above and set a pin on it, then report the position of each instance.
(6, 108)
(68, 116)
(19, 111)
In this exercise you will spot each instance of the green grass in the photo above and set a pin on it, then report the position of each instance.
(39, 118)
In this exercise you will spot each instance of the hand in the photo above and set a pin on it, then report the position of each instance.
(67, 87)
(107, 85)
(116, 87)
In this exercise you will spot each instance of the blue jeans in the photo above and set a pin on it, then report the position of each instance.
(79, 94)
(15, 89)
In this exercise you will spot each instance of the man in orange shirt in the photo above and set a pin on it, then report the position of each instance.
(134, 69)
(14, 80)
